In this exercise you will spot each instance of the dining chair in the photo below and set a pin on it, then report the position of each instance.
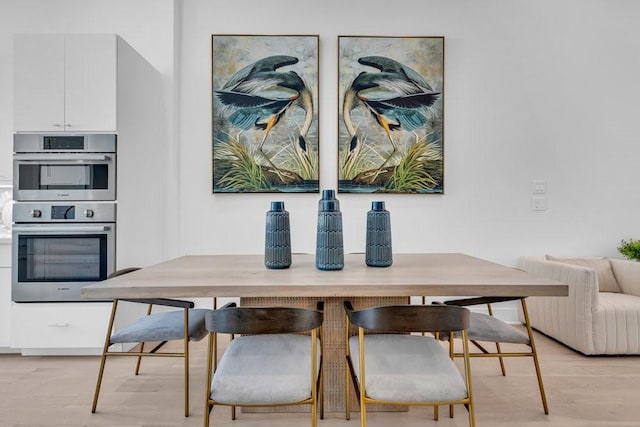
(489, 329)
(186, 324)
(389, 365)
(277, 360)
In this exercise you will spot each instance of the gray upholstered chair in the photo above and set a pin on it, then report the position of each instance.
(277, 362)
(186, 324)
(392, 366)
(489, 329)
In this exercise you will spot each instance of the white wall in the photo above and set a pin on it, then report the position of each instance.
(533, 90)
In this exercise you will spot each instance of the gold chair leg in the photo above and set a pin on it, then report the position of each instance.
(233, 413)
(211, 340)
(314, 413)
(186, 362)
(451, 355)
(536, 363)
(363, 389)
(142, 343)
(347, 377)
(103, 359)
(98, 383)
(363, 413)
(502, 368)
(436, 413)
(321, 395)
(504, 372)
(467, 371)
(347, 396)
(315, 376)
(321, 373)
(139, 359)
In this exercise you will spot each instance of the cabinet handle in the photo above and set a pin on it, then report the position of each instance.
(57, 125)
(58, 325)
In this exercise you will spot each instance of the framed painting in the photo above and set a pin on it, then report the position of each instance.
(264, 113)
(391, 115)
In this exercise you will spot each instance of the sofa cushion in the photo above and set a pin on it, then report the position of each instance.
(606, 279)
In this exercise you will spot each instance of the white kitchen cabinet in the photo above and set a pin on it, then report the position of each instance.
(59, 328)
(65, 83)
(94, 83)
(5, 294)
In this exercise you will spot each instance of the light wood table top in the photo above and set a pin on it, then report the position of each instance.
(434, 274)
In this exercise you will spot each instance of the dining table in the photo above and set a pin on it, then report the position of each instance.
(245, 277)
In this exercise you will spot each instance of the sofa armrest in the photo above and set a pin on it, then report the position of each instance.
(628, 275)
(582, 281)
(567, 319)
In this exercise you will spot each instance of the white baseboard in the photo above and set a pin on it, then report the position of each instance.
(61, 351)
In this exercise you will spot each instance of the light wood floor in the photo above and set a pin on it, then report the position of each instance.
(57, 391)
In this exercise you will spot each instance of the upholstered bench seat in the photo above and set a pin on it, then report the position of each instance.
(165, 326)
(407, 368)
(264, 370)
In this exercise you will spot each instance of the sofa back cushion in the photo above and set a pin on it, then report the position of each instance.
(627, 274)
(606, 279)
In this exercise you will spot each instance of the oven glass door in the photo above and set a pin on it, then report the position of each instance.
(66, 177)
(62, 258)
(52, 262)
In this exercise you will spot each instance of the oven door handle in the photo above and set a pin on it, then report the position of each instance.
(78, 158)
(67, 229)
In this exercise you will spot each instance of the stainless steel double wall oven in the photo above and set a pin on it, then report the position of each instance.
(64, 214)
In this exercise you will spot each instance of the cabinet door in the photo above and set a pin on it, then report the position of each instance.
(90, 82)
(5, 306)
(78, 327)
(38, 82)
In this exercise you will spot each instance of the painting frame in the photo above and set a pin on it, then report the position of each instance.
(265, 113)
(391, 114)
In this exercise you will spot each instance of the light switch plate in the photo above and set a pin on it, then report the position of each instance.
(539, 203)
(538, 187)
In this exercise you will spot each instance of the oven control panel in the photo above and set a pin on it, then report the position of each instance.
(42, 212)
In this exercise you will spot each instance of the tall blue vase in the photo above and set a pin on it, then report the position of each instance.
(329, 247)
(378, 250)
(277, 240)
(328, 195)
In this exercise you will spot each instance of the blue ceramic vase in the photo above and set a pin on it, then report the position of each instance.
(329, 247)
(277, 240)
(378, 250)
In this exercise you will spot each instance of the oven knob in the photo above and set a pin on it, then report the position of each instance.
(36, 213)
(88, 213)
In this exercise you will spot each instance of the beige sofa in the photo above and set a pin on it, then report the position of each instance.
(588, 320)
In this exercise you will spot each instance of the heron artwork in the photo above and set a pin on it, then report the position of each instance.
(255, 101)
(396, 96)
(391, 114)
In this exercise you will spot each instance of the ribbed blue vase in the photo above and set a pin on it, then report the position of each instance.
(378, 250)
(277, 240)
(329, 247)
(328, 195)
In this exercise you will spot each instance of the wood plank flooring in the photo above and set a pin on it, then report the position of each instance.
(57, 391)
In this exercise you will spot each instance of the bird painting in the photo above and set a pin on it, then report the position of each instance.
(259, 95)
(396, 96)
